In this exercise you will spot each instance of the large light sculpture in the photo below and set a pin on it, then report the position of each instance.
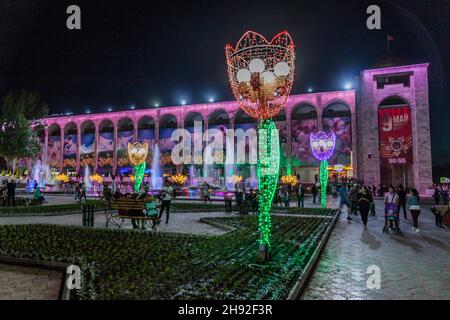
(322, 147)
(137, 153)
(261, 74)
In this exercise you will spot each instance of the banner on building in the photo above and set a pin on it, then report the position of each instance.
(123, 163)
(70, 151)
(342, 128)
(301, 147)
(105, 152)
(87, 155)
(148, 136)
(395, 136)
(54, 151)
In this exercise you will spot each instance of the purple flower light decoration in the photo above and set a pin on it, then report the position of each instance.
(322, 144)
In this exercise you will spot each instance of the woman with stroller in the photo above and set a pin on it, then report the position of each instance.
(414, 208)
(391, 210)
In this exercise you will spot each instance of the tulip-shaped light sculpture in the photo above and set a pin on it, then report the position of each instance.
(137, 153)
(261, 74)
(322, 146)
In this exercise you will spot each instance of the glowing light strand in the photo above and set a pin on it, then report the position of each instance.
(322, 147)
(267, 171)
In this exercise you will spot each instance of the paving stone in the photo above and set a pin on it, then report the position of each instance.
(413, 266)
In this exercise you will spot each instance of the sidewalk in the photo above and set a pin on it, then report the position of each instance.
(413, 265)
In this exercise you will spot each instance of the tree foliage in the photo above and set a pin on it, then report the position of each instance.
(20, 113)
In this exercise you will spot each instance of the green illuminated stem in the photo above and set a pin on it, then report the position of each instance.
(323, 183)
(267, 170)
(139, 171)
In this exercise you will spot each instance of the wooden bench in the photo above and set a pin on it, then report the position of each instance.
(129, 208)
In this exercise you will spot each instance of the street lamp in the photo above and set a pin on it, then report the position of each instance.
(322, 147)
(261, 74)
(137, 153)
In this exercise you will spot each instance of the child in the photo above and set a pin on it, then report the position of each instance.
(151, 211)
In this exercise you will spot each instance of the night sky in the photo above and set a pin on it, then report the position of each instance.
(143, 52)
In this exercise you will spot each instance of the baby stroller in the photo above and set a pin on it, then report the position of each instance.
(391, 218)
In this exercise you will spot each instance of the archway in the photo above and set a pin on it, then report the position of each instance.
(303, 123)
(87, 147)
(337, 117)
(70, 148)
(147, 134)
(54, 146)
(396, 142)
(125, 135)
(105, 147)
(168, 124)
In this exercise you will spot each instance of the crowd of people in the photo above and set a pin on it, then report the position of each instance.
(396, 200)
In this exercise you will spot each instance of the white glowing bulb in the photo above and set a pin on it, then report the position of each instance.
(243, 75)
(256, 65)
(268, 77)
(281, 69)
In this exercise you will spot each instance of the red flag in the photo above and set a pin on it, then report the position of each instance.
(390, 38)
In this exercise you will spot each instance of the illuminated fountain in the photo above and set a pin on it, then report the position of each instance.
(40, 173)
(156, 179)
(86, 178)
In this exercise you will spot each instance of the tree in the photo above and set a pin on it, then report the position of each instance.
(19, 116)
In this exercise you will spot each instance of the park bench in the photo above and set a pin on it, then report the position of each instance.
(121, 209)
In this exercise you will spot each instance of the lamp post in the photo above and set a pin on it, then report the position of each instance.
(322, 146)
(261, 74)
(137, 153)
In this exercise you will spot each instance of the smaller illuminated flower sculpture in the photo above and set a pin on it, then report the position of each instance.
(137, 153)
(179, 179)
(290, 180)
(62, 177)
(322, 146)
(96, 178)
(236, 179)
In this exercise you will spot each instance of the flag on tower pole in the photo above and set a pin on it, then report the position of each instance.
(389, 38)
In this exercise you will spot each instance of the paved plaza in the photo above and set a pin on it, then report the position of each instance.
(412, 265)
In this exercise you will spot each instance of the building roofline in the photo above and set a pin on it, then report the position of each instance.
(198, 105)
(397, 67)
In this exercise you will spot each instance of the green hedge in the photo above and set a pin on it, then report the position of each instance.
(48, 209)
(196, 207)
(306, 211)
(121, 264)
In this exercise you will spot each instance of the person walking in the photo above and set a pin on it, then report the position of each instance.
(11, 192)
(314, 191)
(287, 197)
(364, 201)
(402, 200)
(391, 207)
(207, 194)
(167, 195)
(240, 202)
(414, 209)
(83, 191)
(354, 195)
(444, 196)
(436, 196)
(343, 200)
(300, 191)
